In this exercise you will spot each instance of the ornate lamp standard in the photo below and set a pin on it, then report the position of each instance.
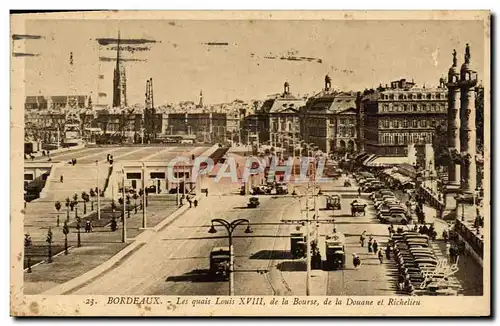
(230, 227)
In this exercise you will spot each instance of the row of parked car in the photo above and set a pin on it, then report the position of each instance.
(389, 208)
(368, 183)
(420, 271)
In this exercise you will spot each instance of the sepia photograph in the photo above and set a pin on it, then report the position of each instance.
(266, 163)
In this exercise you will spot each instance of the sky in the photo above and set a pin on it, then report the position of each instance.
(356, 54)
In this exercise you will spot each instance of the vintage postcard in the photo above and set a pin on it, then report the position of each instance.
(256, 163)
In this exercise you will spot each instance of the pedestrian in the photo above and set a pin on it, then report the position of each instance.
(445, 235)
(356, 261)
(189, 201)
(401, 281)
(62, 179)
(195, 202)
(88, 227)
(182, 199)
(375, 246)
(113, 225)
(206, 192)
(380, 256)
(27, 240)
(370, 241)
(388, 252)
(359, 191)
(362, 238)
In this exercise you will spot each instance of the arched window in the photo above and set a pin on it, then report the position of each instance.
(405, 123)
(415, 123)
(415, 107)
(429, 96)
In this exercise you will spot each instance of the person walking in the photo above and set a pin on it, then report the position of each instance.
(375, 246)
(359, 191)
(401, 281)
(356, 261)
(388, 250)
(189, 201)
(362, 238)
(195, 202)
(370, 241)
(380, 256)
(62, 179)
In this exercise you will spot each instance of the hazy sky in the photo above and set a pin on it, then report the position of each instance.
(356, 54)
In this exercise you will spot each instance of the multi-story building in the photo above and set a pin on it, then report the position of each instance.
(330, 120)
(284, 120)
(35, 103)
(208, 127)
(399, 115)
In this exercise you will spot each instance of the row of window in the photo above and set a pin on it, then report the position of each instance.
(414, 96)
(344, 131)
(346, 121)
(415, 107)
(404, 138)
(415, 123)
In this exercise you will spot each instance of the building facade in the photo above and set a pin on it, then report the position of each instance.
(330, 120)
(399, 115)
(284, 119)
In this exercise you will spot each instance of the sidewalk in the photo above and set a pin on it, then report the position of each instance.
(99, 248)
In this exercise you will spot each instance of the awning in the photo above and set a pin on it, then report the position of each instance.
(388, 161)
(368, 159)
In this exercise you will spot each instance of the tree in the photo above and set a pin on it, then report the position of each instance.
(85, 198)
(49, 241)
(57, 205)
(67, 208)
(65, 232)
(92, 195)
(440, 145)
(135, 196)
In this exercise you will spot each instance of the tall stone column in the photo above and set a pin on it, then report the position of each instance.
(453, 131)
(468, 81)
(469, 130)
(454, 123)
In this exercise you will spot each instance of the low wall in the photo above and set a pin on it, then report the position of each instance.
(432, 199)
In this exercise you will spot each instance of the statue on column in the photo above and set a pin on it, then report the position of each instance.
(454, 58)
(467, 53)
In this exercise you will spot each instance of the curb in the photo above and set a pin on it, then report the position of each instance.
(71, 285)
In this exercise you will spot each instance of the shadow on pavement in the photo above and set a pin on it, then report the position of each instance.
(292, 266)
(196, 275)
(272, 254)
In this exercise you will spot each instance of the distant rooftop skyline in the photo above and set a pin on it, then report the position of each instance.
(245, 60)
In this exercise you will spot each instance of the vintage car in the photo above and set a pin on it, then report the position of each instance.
(335, 251)
(357, 207)
(282, 189)
(298, 245)
(219, 262)
(333, 202)
(253, 202)
(396, 218)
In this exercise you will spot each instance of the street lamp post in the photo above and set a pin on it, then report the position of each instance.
(98, 193)
(230, 227)
(124, 219)
(308, 238)
(144, 195)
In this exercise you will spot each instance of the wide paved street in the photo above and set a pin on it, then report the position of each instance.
(176, 260)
